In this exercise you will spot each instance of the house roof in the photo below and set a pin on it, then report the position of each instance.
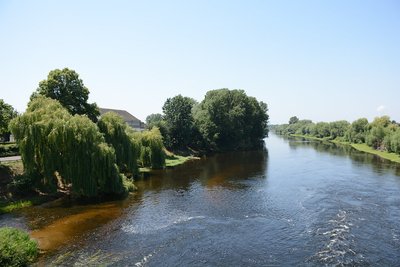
(123, 113)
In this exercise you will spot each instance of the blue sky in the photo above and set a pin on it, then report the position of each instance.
(320, 60)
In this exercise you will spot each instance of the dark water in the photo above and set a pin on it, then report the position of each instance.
(298, 203)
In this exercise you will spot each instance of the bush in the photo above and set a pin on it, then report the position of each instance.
(16, 247)
(7, 150)
(21, 184)
(152, 148)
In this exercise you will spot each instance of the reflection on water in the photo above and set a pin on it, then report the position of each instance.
(377, 163)
(297, 203)
(217, 170)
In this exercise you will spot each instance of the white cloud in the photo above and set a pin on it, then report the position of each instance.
(380, 108)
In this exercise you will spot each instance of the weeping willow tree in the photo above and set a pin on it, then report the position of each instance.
(61, 150)
(152, 148)
(117, 134)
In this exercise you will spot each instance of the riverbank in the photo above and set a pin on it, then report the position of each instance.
(171, 161)
(360, 147)
(10, 201)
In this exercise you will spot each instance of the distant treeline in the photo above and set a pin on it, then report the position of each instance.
(381, 134)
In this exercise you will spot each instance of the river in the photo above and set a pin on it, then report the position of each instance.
(297, 203)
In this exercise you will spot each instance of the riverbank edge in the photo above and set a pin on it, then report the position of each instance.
(171, 162)
(360, 147)
(29, 201)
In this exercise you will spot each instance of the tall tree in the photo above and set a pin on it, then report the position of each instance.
(179, 120)
(116, 134)
(293, 120)
(230, 120)
(7, 113)
(66, 87)
(157, 120)
(58, 148)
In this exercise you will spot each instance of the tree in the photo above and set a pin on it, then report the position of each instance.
(7, 113)
(338, 128)
(153, 119)
(152, 153)
(66, 87)
(179, 121)
(293, 120)
(157, 120)
(357, 131)
(375, 137)
(116, 134)
(231, 120)
(60, 149)
(322, 129)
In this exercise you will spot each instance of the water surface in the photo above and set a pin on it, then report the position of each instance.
(298, 203)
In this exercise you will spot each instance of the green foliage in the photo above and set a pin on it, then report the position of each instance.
(338, 128)
(322, 129)
(179, 121)
(375, 137)
(128, 184)
(16, 247)
(116, 134)
(293, 120)
(7, 113)
(153, 120)
(382, 134)
(66, 87)
(58, 148)
(152, 149)
(7, 150)
(357, 131)
(394, 144)
(231, 120)
(157, 120)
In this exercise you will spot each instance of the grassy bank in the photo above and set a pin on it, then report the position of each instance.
(9, 205)
(10, 200)
(386, 155)
(176, 160)
(360, 147)
(171, 161)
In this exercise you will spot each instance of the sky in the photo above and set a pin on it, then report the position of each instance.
(318, 60)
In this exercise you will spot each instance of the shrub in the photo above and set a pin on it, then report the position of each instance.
(16, 247)
(7, 150)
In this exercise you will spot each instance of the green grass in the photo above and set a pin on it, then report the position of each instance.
(176, 160)
(360, 147)
(9, 206)
(386, 155)
(16, 247)
(6, 207)
(171, 161)
(144, 169)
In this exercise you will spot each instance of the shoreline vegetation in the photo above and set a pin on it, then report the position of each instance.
(360, 147)
(69, 149)
(72, 152)
(380, 137)
(12, 201)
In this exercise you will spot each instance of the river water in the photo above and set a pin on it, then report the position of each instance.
(298, 203)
